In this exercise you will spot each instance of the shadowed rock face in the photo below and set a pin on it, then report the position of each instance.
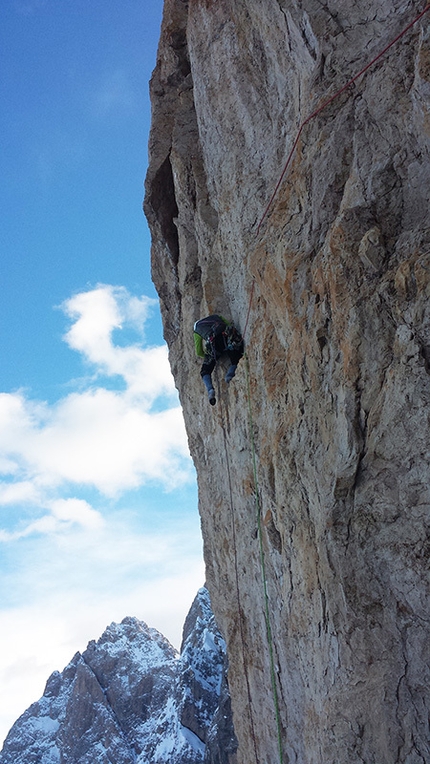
(338, 343)
(130, 699)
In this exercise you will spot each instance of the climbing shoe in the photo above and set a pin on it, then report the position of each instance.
(212, 399)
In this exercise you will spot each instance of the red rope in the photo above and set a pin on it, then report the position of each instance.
(329, 101)
(249, 308)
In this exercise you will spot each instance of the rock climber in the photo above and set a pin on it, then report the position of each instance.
(214, 336)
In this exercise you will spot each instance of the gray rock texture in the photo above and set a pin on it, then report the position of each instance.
(336, 284)
(130, 699)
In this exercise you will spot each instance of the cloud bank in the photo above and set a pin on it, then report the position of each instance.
(98, 515)
(111, 440)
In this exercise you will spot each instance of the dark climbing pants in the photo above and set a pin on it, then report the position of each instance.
(209, 362)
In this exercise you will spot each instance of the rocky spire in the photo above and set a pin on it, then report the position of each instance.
(129, 698)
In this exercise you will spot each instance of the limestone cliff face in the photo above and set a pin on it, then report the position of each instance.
(338, 340)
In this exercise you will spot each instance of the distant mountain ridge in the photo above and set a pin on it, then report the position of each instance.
(129, 698)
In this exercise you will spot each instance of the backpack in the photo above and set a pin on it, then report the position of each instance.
(205, 332)
(208, 329)
(211, 326)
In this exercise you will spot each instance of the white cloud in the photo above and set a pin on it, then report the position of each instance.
(78, 584)
(111, 440)
(96, 315)
(64, 513)
(18, 493)
(76, 511)
(73, 560)
(101, 438)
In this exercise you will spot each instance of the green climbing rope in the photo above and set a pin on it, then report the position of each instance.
(263, 565)
(238, 597)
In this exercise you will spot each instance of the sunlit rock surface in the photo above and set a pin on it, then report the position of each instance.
(337, 285)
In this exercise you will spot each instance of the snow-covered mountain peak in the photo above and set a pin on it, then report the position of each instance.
(129, 699)
(134, 639)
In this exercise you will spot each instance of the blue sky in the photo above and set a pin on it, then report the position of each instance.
(98, 501)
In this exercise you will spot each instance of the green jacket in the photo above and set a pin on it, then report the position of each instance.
(198, 344)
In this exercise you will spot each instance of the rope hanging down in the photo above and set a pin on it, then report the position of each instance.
(247, 371)
(263, 569)
(269, 633)
(239, 606)
(263, 574)
(329, 101)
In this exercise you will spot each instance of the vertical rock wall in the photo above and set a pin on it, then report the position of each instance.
(338, 341)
